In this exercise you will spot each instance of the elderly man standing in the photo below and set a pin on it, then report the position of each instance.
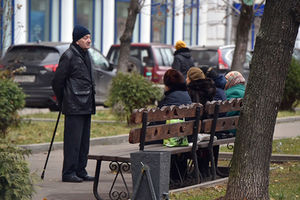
(73, 86)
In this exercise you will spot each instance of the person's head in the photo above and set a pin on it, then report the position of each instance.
(82, 37)
(194, 74)
(210, 72)
(180, 44)
(234, 78)
(172, 79)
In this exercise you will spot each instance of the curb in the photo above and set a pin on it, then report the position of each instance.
(37, 148)
(202, 185)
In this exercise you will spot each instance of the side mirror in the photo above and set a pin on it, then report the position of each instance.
(112, 66)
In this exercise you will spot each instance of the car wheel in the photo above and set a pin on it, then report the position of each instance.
(135, 65)
(53, 107)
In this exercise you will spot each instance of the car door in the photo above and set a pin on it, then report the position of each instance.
(103, 75)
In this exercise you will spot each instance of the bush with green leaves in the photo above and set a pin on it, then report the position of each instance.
(15, 179)
(131, 91)
(11, 100)
(292, 87)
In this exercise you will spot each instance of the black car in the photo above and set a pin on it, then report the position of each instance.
(39, 62)
(218, 57)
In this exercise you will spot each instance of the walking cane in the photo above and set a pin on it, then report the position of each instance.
(42, 176)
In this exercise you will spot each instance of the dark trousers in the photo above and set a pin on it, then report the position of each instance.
(76, 144)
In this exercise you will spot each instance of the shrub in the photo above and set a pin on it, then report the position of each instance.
(292, 87)
(131, 91)
(15, 178)
(11, 99)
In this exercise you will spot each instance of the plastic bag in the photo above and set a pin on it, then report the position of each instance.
(176, 141)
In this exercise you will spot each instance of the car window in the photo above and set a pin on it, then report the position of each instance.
(32, 53)
(205, 56)
(170, 55)
(158, 57)
(98, 59)
(114, 56)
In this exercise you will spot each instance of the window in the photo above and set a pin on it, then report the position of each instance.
(190, 21)
(121, 17)
(39, 18)
(161, 21)
(84, 14)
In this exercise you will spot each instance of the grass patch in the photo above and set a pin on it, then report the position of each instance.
(288, 113)
(281, 146)
(33, 132)
(100, 115)
(284, 185)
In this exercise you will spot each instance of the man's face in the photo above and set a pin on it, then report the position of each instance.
(84, 42)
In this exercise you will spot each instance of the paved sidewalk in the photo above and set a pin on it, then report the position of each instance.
(52, 188)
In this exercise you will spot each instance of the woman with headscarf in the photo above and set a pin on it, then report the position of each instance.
(235, 86)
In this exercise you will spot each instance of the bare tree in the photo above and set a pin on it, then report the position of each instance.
(242, 32)
(249, 174)
(134, 8)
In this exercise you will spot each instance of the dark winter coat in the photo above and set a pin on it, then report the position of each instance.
(176, 96)
(182, 61)
(201, 90)
(73, 83)
(220, 83)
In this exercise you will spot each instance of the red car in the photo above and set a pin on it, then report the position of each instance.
(150, 59)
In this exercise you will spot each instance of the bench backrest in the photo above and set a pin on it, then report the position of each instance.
(199, 118)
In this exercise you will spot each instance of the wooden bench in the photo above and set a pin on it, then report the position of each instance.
(199, 119)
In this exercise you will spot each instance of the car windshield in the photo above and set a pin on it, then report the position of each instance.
(31, 53)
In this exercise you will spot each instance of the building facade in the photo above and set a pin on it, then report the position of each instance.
(205, 22)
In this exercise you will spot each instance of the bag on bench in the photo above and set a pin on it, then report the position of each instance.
(176, 141)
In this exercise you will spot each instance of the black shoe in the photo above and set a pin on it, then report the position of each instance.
(72, 178)
(88, 178)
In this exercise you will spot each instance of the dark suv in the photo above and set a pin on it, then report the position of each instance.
(151, 59)
(218, 57)
(39, 62)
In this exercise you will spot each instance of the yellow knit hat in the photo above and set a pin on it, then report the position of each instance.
(195, 73)
(180, 44)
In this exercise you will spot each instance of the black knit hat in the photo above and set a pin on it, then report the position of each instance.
(79, 32)
(173, 78)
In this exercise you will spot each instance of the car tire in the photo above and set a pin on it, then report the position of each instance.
(53, 107)
(135, 65)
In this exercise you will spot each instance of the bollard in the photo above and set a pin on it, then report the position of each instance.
(150, 174)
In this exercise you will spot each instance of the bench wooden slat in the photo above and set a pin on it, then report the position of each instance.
(225, 106)
(223, 124)
(165, 113)
(163, 131)
(124, 154)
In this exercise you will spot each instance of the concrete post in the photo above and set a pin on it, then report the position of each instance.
(158, 164)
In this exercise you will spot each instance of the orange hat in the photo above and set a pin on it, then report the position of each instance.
(180, 44)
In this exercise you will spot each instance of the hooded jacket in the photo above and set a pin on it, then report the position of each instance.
(201, 90)
(182, 61)
(73, 83)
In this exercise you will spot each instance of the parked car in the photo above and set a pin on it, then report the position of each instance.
(150, 59)
(40, 60)
(218, 57)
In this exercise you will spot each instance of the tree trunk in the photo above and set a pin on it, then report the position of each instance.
(243, 28)
(133, 10)
(249, 174)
